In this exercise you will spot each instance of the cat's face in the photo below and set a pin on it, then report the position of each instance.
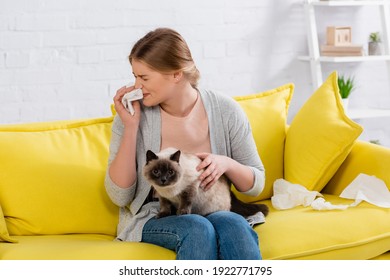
(162, 171)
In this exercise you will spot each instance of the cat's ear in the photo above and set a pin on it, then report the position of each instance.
(150, 156)
(176, 156)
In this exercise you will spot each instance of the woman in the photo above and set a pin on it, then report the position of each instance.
(175, 113)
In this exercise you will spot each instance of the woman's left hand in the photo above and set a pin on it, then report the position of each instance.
(214, 167)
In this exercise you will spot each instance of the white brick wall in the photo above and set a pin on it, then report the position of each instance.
(65, 59)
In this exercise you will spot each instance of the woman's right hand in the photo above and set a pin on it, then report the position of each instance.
(128, 120)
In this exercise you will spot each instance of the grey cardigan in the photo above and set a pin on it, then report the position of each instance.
(230, 135)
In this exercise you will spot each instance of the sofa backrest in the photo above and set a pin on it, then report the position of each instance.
(52, 177)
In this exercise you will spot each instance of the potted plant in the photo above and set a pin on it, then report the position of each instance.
(346, 86)
(374, 44)
(376, 142)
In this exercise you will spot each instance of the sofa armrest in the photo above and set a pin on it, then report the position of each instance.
(364, 157)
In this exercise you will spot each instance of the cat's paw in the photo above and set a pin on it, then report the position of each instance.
(163, 214)
(183, 211)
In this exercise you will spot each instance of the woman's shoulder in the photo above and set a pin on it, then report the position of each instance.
(215, 98)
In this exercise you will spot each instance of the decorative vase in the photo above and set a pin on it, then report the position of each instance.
(374, 48)
(345, 102)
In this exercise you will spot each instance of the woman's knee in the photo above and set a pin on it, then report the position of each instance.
(228, 223)
(198, 239)
(227, 219)
(236, 238)
(198, 228)
(191, 236)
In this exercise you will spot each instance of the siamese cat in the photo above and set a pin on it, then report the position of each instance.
(174, 177)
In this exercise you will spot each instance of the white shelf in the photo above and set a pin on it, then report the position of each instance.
(367, 113)
(348, 3)
(341, 59)
(311, 7)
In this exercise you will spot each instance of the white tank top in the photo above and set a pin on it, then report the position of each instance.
(190, 134)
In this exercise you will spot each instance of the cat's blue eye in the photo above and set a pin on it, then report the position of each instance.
(171, 172)
(155, 172)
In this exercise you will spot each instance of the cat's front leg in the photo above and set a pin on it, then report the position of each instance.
(165, 208)
(184, 210)
(185, 204)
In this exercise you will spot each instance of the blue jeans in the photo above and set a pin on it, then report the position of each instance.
(220, 235)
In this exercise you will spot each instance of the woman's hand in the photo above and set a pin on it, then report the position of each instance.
(214, 167)
(128, 120)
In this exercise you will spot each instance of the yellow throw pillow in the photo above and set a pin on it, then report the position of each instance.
(319, 139)
(4, 235)
(267, 115)
(52, 177)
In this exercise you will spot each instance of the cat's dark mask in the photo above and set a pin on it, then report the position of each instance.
(162, 171)
(152, 156)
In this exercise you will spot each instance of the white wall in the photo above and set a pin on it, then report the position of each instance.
(66, 58)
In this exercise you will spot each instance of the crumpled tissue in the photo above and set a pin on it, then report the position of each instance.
(368, 188)
(288, 195)
(133, 95)
(362, 188)
(321, 204)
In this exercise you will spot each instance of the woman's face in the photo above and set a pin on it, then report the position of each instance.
(156, 87)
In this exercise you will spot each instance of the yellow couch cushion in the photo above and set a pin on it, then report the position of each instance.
(267, 114)
(319, 138)
(4, 235)
(360, 232)
(52, 179)
(81, 247)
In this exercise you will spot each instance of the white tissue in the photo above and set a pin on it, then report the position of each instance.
(363, 187)
(288, 195)
(321, 204)
(368, 188)
(131, 96)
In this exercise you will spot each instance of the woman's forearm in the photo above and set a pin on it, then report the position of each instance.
(240, 175)
(122, 170)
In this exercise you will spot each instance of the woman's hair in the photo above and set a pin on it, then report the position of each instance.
(166, 51)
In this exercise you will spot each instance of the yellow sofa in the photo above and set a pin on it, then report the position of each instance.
(53, 203)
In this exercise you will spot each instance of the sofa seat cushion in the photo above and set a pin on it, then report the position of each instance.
(52, 179)
(361, 232)
(80, 247)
